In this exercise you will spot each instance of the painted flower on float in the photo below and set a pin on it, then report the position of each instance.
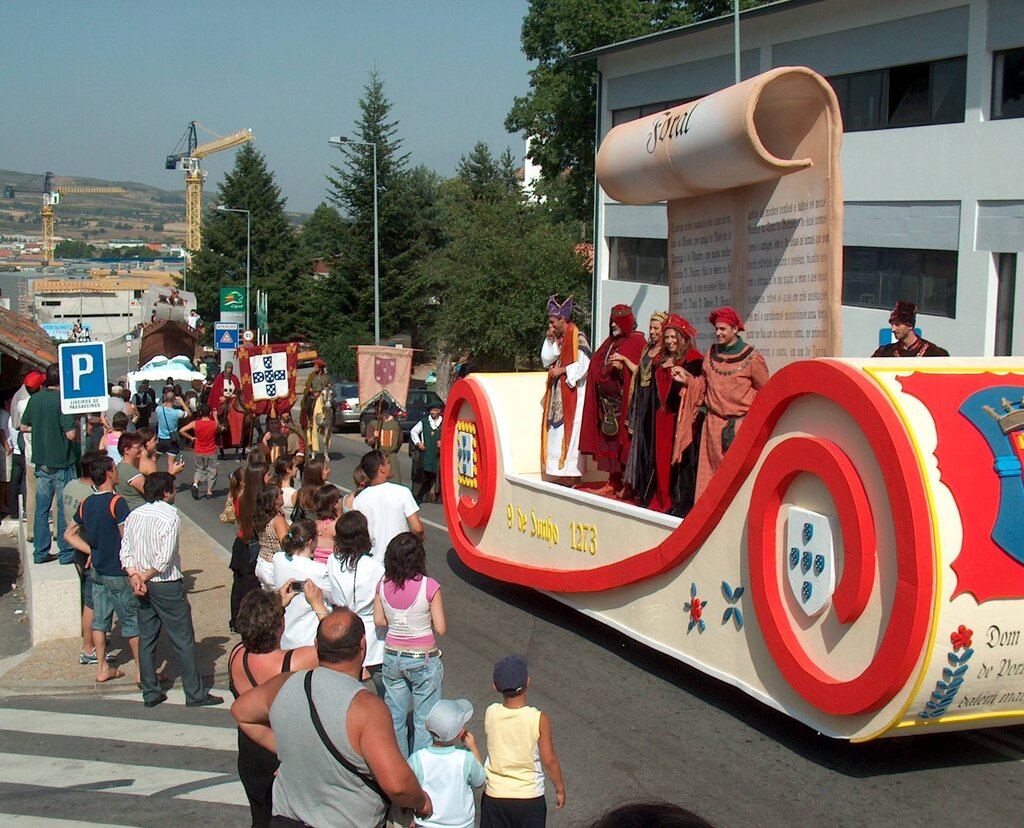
(961, 638)
(696, 609)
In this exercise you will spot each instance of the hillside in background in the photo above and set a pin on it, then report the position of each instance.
(140, 212)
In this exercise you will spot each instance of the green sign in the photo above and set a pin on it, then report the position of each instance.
(232, 299)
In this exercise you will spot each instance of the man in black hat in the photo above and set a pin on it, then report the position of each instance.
(908, 343)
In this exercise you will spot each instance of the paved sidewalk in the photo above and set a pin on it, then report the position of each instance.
(53, 667)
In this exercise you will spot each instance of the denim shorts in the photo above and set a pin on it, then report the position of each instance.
(113, 594)
(168, 447)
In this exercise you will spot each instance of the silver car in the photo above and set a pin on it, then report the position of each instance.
(346, 406)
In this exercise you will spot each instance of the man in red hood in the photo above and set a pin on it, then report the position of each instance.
(609, 381)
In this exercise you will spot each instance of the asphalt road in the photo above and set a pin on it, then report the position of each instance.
(631, 723)
(628, 723)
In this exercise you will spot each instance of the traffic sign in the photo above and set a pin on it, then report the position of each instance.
(225, 336)
(248, 337)
(83, 377)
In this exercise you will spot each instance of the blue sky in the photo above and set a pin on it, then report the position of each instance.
(105, 89)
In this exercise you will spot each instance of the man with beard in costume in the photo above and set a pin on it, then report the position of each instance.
(566, 355)
(643, 405)
(604, 433)
(908, 343)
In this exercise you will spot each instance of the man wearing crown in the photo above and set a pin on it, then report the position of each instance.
(606, 400)
(908, 343)
(566, 355)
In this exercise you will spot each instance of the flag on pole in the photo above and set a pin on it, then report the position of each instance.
(267, 374)
(383, 372)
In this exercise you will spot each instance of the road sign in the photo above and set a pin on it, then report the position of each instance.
(83, 377)
(248, 337)
(232, 299)
(225, 336)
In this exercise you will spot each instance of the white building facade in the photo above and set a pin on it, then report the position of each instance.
(932, 95)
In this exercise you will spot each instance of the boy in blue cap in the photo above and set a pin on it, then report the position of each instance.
(517, 736)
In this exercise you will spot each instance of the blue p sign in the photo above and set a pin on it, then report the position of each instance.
(83, 377)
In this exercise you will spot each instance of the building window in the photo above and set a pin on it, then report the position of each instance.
(876, 277)
(1008, 84)
(918, 94)
(639, 260)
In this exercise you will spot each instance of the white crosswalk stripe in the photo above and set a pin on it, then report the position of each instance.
(104, 751)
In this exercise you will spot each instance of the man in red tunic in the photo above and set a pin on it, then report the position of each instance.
(606, 402)
(733, 373)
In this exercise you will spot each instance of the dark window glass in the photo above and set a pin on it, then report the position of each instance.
(908, 95)
(631, 113)
(639, 260)
(901, 96)
(1008, 84)
(876, 277)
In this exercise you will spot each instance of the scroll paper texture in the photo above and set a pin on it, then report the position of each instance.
(755, 212)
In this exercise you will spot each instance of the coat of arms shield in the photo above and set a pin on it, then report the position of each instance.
(384, 370)
(810, 560)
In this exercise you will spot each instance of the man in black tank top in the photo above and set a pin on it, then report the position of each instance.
(340, 763)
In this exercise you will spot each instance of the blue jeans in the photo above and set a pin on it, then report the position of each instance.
(50, 482)
(416, 678)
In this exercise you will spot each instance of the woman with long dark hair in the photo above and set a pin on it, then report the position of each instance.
(270, 527)
(257, 659)
(408, 604)
(314, 477)
(244, 550)
(352, 578)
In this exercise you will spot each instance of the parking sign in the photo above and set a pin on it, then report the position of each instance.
(83, 377)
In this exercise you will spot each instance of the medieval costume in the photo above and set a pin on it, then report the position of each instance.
(385, 434)
(315, 442)
(911, 345)
(641, 412)
(315, 383)
(226, 397)
(426, 437)
(732, 376)
(605, 433)
(568, 352)
(669, 484)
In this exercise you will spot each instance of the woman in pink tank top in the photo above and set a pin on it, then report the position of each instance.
(408, 603)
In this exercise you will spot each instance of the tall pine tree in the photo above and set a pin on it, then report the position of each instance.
(404, 206)
(274, 263)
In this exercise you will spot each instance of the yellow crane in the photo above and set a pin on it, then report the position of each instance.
(188, 154)
(51, 198)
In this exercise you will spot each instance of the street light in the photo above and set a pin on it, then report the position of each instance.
(337, 141)
(248, 247)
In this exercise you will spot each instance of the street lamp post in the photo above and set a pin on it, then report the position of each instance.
(337, 141)
(248, 248)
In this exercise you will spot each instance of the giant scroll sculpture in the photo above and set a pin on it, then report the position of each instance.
(857, 561)
(755, 209)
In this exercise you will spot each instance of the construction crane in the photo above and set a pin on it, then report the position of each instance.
(188, 154)
(51, 198)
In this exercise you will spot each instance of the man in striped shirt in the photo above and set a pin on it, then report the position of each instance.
(149, 554)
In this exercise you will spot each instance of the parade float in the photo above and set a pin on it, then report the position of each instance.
(857, 561)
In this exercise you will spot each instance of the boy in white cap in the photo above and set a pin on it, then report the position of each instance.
(449, 768)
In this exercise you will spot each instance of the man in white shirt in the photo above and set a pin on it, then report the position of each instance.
(390, 509)
(149, 554)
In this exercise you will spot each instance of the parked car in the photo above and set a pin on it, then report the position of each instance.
(346, 405)
(417, 406)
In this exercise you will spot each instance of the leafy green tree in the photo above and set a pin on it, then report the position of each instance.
(488, 285)
(74, 249)
(558, 112)
(274, 246)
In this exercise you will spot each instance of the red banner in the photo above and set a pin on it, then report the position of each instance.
(248, 361)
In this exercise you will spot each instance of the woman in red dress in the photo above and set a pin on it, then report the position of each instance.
(673, 481)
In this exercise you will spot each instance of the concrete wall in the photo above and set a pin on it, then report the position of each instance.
(948, 187)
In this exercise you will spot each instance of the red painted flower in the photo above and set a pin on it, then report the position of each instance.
(961, 638)
(696, 609)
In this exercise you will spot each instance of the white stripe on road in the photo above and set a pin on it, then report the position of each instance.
(176, 696)
(110, 777)
(23, 821)
(140, 731)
